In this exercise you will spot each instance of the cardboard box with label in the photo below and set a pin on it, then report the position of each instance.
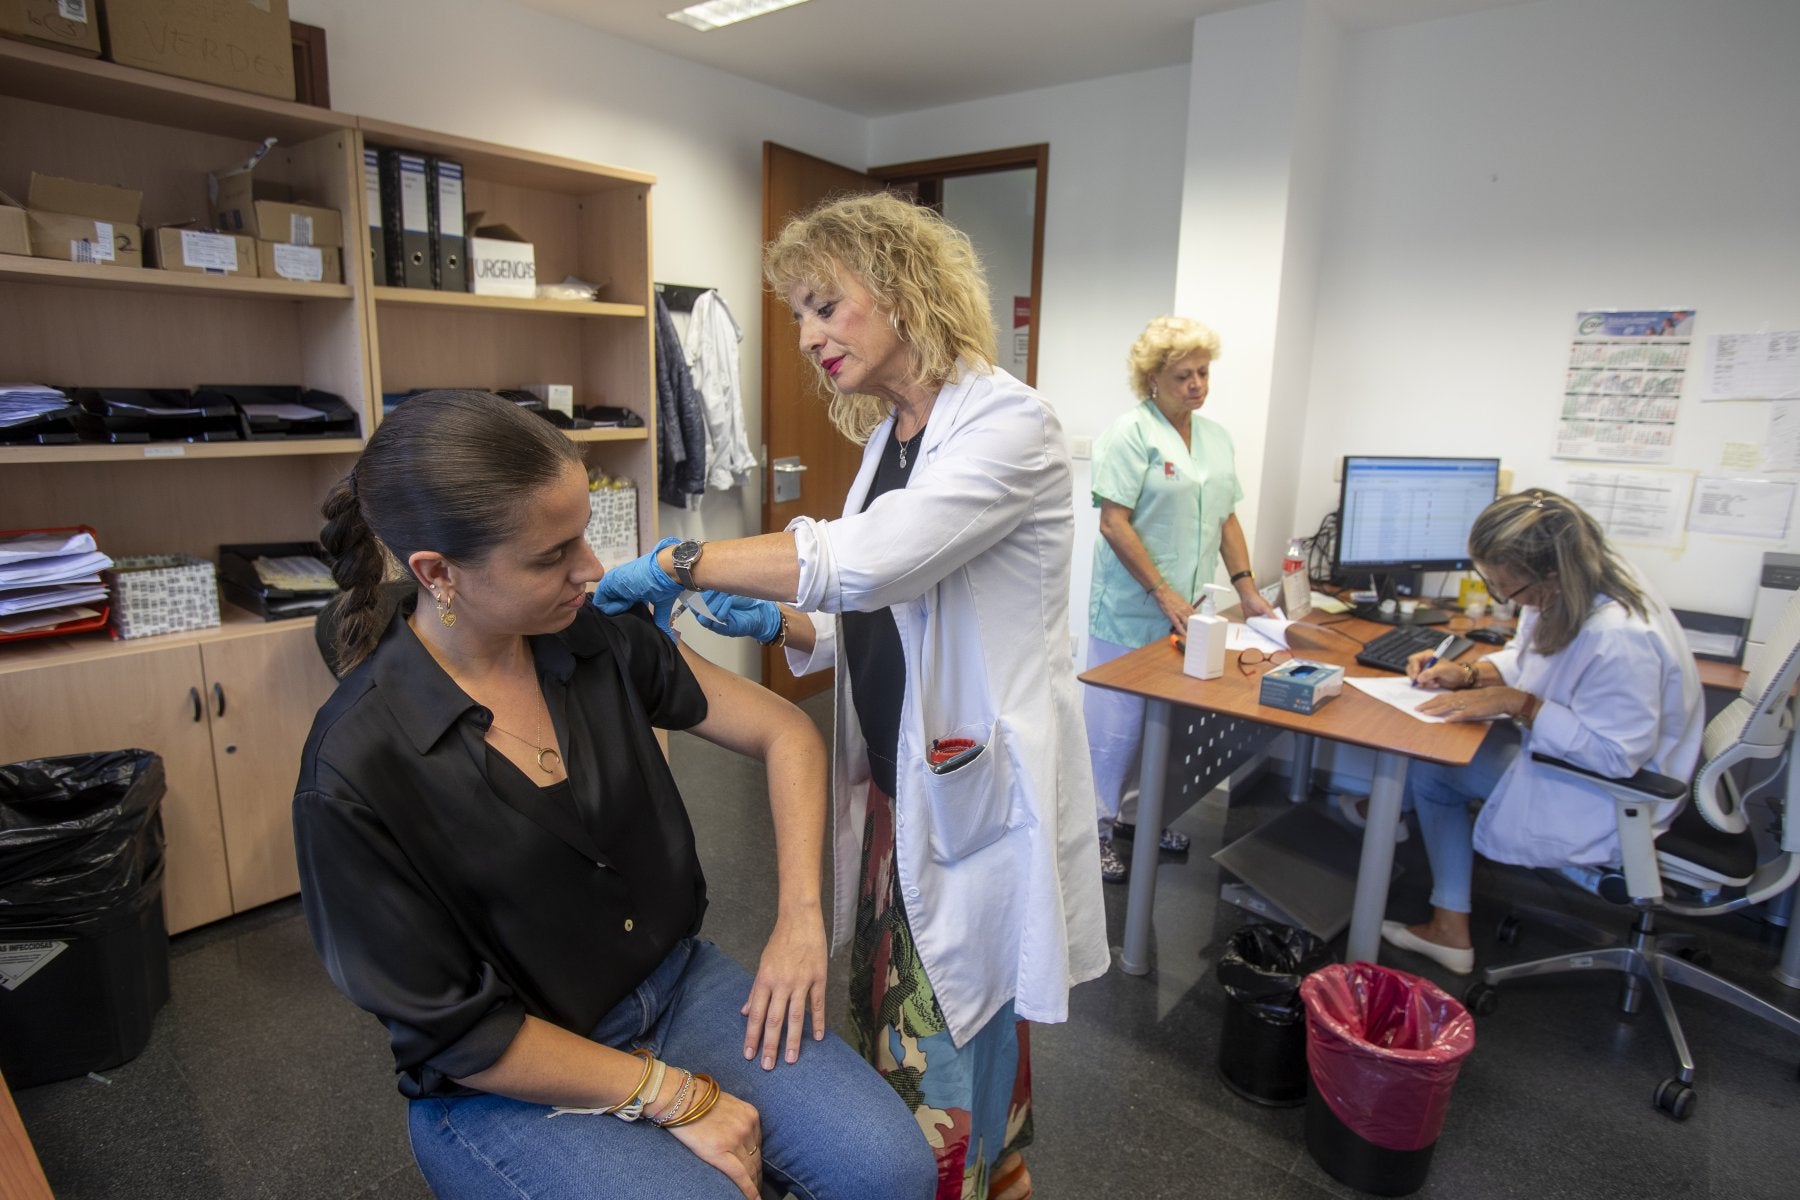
(72, 25)
(301, 264)
(246, 202)
(177, 249)
(242, 44)
(501, 262)
(75, 221)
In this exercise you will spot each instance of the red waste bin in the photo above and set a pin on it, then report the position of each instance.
(1384, 1049)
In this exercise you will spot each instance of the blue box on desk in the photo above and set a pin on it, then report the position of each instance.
(1301, 686)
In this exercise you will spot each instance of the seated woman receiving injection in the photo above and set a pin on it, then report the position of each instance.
(496, 863)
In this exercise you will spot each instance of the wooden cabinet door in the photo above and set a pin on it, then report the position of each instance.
(153, 700)
(262, 693)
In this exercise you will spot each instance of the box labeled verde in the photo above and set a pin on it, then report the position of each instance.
(1301, 686)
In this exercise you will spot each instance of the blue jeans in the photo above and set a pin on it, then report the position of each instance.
(831, 1126)
(1440, 795)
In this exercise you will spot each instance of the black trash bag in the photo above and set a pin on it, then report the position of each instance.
(80, 836)
(1262, 968)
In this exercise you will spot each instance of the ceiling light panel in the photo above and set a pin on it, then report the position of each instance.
(716, 14)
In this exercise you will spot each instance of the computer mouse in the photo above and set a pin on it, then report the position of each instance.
(1490, 635)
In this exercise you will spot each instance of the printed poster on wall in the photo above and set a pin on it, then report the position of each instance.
(1623, 388)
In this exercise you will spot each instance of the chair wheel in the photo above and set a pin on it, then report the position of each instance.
(1675, 1098)
(1481, 999)
(1507, 932)
(1698, 955)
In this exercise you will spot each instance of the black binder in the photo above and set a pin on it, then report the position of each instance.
(406, 218)
(449, 247)
(372, 202)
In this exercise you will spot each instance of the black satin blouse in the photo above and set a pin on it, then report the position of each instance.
(450, 895)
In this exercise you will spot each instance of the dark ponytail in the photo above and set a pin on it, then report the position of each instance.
(446, 472)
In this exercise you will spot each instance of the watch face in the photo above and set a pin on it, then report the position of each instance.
(686, 554)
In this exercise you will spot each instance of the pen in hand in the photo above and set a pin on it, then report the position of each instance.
(1435, 655)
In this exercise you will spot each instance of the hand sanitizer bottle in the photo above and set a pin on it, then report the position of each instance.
(1206, 640)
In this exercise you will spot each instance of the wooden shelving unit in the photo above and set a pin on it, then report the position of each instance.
(232, 763)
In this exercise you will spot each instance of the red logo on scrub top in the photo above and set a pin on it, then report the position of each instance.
(1168, 470)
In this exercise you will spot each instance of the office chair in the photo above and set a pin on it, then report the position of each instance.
(1708, 848)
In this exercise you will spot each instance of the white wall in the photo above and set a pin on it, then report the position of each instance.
(1497, 172)
(490, 70)
(1110, 223)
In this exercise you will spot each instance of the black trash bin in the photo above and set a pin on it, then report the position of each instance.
(84, 957)
(1384, 1048)
(1262, 1046)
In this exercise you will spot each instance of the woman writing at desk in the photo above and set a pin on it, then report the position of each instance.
(1165, 481)
(1598, 674)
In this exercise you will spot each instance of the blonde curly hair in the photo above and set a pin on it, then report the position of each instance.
(921, 271)
(1166, 340)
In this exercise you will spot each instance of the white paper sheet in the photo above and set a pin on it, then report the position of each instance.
(1756, 508)
(1645, 507)
(1398, 691)
(1781, 445)
(1753, 366)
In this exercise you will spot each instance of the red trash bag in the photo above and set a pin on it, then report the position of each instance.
(1384, 1048)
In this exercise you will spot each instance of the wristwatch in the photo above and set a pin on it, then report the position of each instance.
(686, 557)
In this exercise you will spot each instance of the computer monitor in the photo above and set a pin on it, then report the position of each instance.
(1398, 517)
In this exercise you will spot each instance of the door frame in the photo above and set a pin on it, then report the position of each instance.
(927, 176)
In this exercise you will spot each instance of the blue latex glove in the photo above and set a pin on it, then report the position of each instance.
(740, 616)
(639, 581)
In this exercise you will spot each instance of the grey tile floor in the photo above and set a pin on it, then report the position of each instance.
(261, 1082)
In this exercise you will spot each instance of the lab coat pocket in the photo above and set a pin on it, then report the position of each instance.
(968, 805)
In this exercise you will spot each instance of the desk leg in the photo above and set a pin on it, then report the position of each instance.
(1300, 784)
(1153, 769)
(1377, 865)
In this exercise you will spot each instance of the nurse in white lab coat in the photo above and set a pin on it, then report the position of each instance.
(1598, 674)
(970, 892)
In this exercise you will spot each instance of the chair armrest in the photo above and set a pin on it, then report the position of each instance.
(1648, 784)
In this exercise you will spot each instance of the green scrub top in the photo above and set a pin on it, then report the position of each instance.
(1179, 500)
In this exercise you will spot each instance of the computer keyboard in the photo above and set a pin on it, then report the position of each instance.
(1389, 651)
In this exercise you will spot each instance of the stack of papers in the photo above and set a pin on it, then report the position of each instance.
(23, 403)
(49, 579)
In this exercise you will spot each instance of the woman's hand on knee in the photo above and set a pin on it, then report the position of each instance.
(728, 1137)
(789, 986)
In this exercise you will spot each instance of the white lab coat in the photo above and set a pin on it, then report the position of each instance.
(1621, 697)
(710, 346)
(998, 861)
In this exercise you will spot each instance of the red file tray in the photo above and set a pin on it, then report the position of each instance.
(85, 624)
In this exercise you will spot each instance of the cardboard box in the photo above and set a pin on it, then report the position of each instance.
(72, 25)
(176, 249)
(246, 202)
(501, 263)
(1301, 686)
(303, 264)
(242, 44)
(15, 235)
(76, 221)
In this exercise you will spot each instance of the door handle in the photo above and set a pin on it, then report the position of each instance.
(218, 700)
(787, 473)
(194, 699)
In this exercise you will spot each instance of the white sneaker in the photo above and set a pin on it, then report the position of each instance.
(1352, 808)
(1457, 962)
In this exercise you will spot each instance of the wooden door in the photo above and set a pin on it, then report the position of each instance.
(268, 687)
(794, 422)
(151, 700)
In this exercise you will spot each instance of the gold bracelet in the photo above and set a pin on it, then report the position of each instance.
(664, 1117)
(701, 1106)
(649, 1062)
(780, 638)
(1473, 675)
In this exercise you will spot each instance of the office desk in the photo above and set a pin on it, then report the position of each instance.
(1154, 672)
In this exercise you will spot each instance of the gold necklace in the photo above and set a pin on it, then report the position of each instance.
(543, 752)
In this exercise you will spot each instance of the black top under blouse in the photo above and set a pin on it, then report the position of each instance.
(449, 894)
(875, 661)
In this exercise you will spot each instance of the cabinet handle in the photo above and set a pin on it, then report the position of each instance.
(194, 698)
(218, 701)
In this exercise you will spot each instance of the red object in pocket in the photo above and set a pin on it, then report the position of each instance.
(944, 749)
